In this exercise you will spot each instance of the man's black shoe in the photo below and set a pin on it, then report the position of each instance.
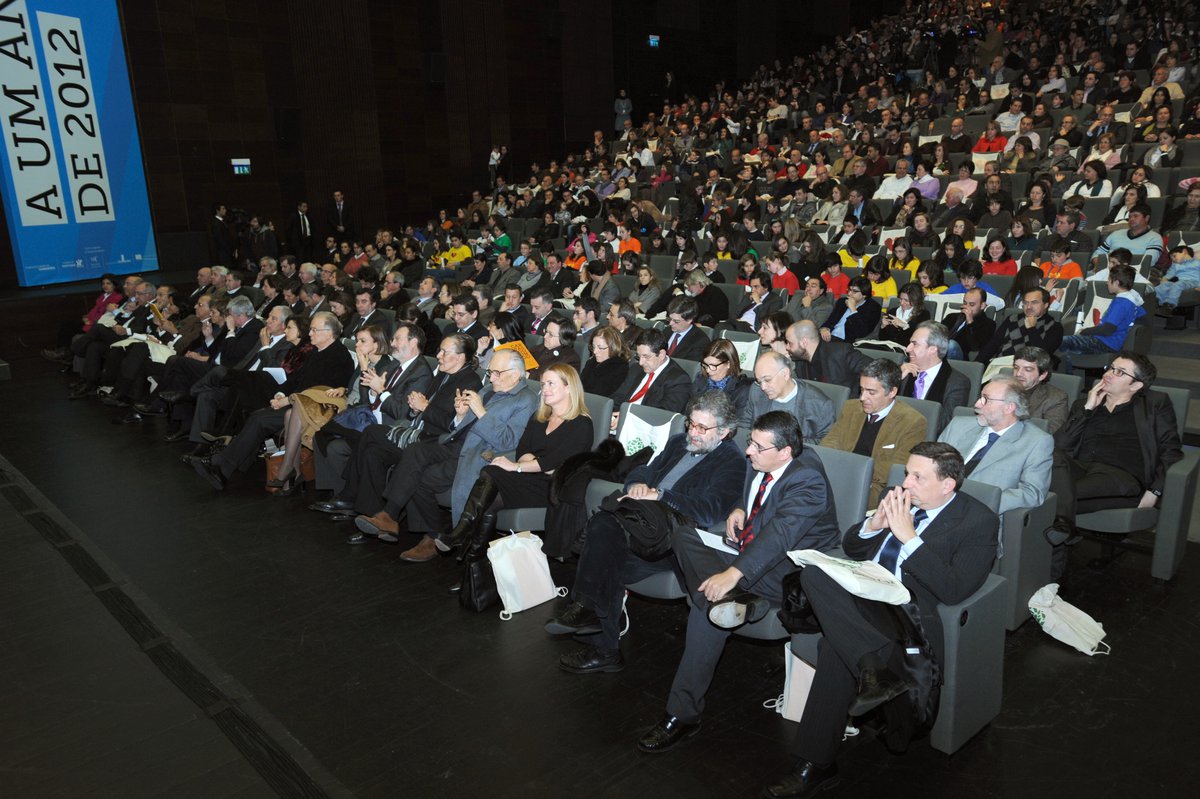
(205, 468)
(875, 687)
(333, 506)
(806, 780)
(176, 437)
(357, 538)
(591, 660)
(737, 609)
(667, 734)
(113, 401)
(129, 418)
(171, 397)
(149, 409)
(574, 620)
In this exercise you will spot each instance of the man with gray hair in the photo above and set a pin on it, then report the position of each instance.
(877, 426)
(777, 389)
(698, 474)
(927, 376)
(1009, 452)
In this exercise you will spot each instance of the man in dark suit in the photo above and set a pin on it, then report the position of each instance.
(338, 218)
(786, 504)
(854, 316)
(366, 313)
(941, 544)
(659, 383)
(685, 340)
(465, 311)
(698, 474)
(542, 304)
(761, 303)
(927, 375)
(830, 361)
(300, 232)
(333, 444)
(1115, 449)
(558, 277)
(220, 238)
(952, 208)
(970, 328)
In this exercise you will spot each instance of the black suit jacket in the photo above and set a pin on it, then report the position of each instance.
(670, 390)
(221, 242)
(860, 324)
(834, 362)
(950, 388)
(974, 336)
(236, 347)
(376, 317)
(270, 358)
(1157, 431)
(417, 377)
(565, 279)
(799, 513)
(708, 492)
(956, 554)
(347, 222)
(712, 306)
(692, 346)
(771, 303)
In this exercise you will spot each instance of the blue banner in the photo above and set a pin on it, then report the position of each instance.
(74, 187)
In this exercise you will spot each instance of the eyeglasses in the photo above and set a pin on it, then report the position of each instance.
(690, 425)
(764, 380)
(494, 373)
(760, 448)
(985, 399)
(712, 366)
(320, 330)
(1118, 370)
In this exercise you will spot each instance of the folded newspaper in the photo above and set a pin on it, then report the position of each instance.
(866, 579)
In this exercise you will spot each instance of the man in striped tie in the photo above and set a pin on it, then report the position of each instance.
(786, 504)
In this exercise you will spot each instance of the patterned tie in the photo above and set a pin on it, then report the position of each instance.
(920, 392)
(890, 550)
(978, 456)
(641, 392)
(746, 536)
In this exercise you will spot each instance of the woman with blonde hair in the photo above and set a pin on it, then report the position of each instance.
(560, 428)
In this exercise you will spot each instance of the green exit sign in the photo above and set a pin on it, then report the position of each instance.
(241, 166)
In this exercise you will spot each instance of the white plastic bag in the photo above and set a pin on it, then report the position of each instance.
(522, 573)
(797, 682)
(636, 433)
(1062, 620)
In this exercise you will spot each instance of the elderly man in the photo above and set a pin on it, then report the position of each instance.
(1009, 452)
(894, 186)
(951, 209)
(786, 503)
(1032, 367)
(1034, 327)
(698, 474)
(927, 376)
(877, 426)
(1115, 448)
(132, 317)
(957, 142)
(936, 539)
(776, 389)
(1059, 157)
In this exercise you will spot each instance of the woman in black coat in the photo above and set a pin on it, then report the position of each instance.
(608, 367)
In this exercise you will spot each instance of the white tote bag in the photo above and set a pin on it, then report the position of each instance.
(522, 573)
(1067, 623)
(636, 433)
(797, 682)
(864, 578)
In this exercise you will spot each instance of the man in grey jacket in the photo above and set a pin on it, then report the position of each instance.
(777, 389)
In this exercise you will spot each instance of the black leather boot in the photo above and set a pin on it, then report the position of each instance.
(475, 547)
(483, 493)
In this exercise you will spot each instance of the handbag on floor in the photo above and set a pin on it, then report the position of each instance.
(522, 573)
(478, 592)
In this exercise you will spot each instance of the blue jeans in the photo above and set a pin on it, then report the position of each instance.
(1081, 345)
(954, 351)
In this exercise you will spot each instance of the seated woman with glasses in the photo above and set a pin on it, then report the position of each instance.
(561, 427)
(721, 370)
(558, 346)
(608, 367)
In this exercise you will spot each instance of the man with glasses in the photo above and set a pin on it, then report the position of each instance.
(776, 389)
(622, 317)
(465, 312)
(698, 474)
(1114, 450)
(854, 316)
(1009, 452)
(1035, 327)
(785, 504)
(685, 341)
(927, 376)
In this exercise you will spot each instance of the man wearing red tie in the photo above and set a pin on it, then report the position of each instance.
(685, 340)
(660, 383)
(786, 504)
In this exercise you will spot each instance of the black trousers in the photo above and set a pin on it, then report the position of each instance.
(240, 454)
(1083, 487)
(426, 471)
(606, 566)
(366, 473)
(851, 631)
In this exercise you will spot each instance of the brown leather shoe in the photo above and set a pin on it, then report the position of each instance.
(379, 523)
(423, 551)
